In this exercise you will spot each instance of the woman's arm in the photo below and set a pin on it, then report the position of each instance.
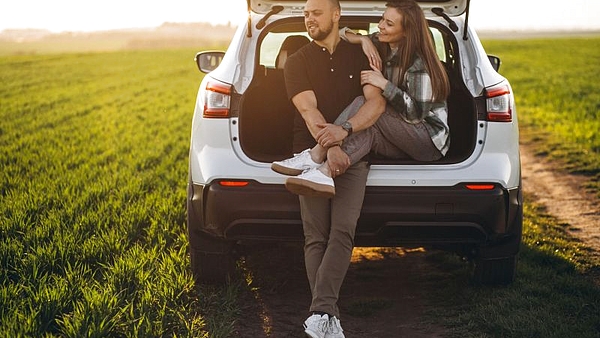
(411, 98)
(414, 97)
(367, 45)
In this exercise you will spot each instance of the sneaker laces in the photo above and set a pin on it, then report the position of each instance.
(323, 325)
(298, 157)
(334, 325)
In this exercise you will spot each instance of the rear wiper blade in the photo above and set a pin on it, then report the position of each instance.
(440, 12)
(274, 10)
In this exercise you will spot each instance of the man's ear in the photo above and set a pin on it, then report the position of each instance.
(337, 15)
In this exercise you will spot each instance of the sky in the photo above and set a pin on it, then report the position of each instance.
(93, 15)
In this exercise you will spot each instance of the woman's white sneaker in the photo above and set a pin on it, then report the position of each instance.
(295, 165)
(311, 182)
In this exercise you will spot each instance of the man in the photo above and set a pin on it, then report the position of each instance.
(322, 78)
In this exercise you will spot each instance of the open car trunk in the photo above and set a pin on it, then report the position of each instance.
(266, 115)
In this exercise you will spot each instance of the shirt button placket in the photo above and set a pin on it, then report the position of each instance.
(331, 62)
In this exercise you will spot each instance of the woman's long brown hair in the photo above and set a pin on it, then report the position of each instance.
(418, 41)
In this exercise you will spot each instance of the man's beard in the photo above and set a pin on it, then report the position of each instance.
(321, 34)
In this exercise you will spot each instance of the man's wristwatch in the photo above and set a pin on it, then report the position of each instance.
(347, 126)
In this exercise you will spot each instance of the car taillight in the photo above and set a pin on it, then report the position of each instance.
(217, 100)
(479, 187)
(498, 104)
(234, 184)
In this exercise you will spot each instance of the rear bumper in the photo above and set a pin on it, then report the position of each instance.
(391, 216)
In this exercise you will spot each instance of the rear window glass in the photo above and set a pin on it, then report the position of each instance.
(271, 44)
(438, 39)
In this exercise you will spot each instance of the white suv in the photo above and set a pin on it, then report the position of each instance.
(469, 202)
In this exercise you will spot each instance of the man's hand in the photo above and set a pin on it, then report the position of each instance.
(330, 135)
(337, 160)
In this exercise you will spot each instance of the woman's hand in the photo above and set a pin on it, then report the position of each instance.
(371, 52)
(373, 77)
(337, 161)
(367, 46)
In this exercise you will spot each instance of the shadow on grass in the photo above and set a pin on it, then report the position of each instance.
(549, 298)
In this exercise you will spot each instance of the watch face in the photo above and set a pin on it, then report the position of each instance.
(347, 126)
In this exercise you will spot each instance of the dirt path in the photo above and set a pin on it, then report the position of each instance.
(564, 197)
(381, 296)
(386, 281)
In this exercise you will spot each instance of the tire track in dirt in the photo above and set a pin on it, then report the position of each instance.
(564, 197)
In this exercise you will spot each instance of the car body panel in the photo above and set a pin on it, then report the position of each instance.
(212, 158)
(295, 7)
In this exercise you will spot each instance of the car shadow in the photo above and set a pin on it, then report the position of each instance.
(382, 295)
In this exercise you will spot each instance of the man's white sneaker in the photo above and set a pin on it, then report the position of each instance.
(311, 182)
(335, 329)
(316, 326)
(295, 165)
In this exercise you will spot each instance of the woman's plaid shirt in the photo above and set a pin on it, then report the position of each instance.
(413, 100)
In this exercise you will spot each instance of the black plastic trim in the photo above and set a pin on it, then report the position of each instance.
(391, 216)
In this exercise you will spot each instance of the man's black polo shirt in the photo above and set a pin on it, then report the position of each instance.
(334, 78)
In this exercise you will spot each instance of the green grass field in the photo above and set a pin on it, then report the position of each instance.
(557, 86)
(92, 195)
(93, 159)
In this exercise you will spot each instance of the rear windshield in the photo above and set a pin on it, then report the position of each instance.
(271, 43)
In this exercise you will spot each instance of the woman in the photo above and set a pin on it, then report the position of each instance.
(414, 124)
